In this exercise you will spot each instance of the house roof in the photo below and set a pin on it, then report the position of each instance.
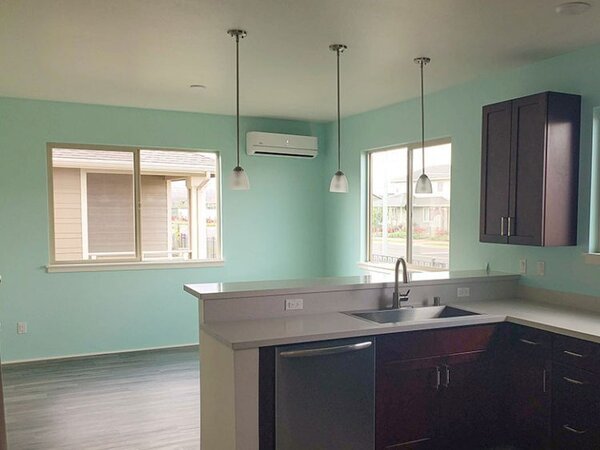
(399, 201)
(439, 172)
(151, 161)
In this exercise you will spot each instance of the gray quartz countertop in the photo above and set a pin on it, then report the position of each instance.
(218, 291)
(246, 334)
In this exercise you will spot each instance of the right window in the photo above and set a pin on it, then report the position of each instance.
(393, 204)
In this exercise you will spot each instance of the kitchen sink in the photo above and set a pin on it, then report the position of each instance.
(411, 314)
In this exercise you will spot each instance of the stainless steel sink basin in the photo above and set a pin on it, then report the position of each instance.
(411, 314)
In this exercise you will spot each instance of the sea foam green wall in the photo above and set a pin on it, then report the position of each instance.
(269, 232)
(456, 113)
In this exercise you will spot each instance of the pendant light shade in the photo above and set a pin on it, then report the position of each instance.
(339, 182)
(238, 179)
(423, 183)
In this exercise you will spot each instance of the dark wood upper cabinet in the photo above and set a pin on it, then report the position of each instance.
(530, 169)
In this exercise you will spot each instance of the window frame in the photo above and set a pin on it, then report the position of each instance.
(410, 148)
(136, 262)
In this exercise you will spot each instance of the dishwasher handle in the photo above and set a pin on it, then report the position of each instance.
(323, 351)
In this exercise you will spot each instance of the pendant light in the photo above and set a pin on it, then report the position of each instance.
(239, 179)
(423, 183)
(339, 182)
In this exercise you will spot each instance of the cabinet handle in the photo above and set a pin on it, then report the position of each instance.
(573, 381)
(544, 382)
(501, 226)
(447, 381)
(509, 219)
(573, 430)
(438, 378)
(577, 355)
(528, 342)
(326, 350)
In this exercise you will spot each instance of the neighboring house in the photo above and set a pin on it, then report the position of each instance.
(94, 205)
(431, 212)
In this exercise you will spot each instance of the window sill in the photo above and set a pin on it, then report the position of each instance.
(144, 265)
(592, 258)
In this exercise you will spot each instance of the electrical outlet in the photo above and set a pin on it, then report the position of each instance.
(463, 292)
(293, 304)
(541, 268)
(21, 327)
(523, 266)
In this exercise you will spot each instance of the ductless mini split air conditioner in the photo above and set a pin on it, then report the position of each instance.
(274, 144)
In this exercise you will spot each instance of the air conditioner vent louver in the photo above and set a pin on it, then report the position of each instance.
(275, 144)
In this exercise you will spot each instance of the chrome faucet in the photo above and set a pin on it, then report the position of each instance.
(398, 298)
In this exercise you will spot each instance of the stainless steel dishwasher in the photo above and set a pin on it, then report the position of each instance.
(325, 395)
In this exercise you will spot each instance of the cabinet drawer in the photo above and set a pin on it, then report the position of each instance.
(576, 352)
(433, 343)
(575, 391)
(530, 342)
(575, 408)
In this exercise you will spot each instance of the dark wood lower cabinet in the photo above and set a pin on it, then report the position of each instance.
(470, 401)
(437, 395)
(476, 387)
(407, 404)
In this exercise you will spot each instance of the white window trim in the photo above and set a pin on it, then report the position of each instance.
(136, 262)
(368, 264)
(137, 265)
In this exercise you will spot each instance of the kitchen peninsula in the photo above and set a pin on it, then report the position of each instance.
(248, 329)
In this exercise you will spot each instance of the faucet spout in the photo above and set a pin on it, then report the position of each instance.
(396, 297)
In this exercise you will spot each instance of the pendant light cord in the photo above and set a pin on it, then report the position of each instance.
(237, 95)
(422, 118)
(338, 113)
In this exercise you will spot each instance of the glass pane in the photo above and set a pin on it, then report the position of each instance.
(388, 193)
(94, 216)
(179, 205)
(431, 212)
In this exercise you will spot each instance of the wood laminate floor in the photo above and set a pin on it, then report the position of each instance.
(141, 400)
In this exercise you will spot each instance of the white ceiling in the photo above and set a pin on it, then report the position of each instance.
(145, 53)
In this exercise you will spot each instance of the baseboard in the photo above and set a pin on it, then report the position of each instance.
(88, 355)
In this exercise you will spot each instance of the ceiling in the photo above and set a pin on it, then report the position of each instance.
(146, 53)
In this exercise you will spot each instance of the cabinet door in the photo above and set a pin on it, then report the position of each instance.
(407, 406)
(470, 402)
(527, 168)
(529, 403)
(495, 172)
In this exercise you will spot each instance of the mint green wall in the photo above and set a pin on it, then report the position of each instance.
(456, 113)
(272, 231)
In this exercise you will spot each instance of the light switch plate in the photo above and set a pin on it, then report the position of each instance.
(541, 268)
(523, 266)
(21, 327)
(294, 304)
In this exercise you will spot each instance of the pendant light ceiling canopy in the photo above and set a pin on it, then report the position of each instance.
(239, 179)
(423, 183)
(339, 182)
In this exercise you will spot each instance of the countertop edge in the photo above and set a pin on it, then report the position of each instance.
(497, 276)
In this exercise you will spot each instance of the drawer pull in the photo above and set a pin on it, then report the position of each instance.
(573, 381)
(577, 355)
(574, 430)
(528, 342)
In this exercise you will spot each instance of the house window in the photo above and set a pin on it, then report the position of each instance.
(130, 204)
(393, 204)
